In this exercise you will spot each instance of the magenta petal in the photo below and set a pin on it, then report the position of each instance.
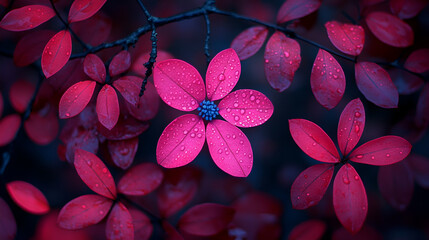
(222, 74)
(229, 148)
(181, 141)
(246, 108)
(179, 84)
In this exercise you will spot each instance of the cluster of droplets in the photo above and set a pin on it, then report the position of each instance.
(208, 110)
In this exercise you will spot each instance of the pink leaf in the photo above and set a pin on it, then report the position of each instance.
(405, 82)
(142, 225)
(382, 151)
(309, 187)
(94, 173)
(30, 47)
(229, 148)
(84, 211)
(206, 219)
(28, 197)
(418, 61)
(119, 223)
(42, 126)
(222, 74)
(282, 59)
(107, 107)
(182, 92)
(350, 201)
(293, 9)
(120, 63)
(407, 9)
(422, 111)
(396, 184)
(47, 229)
(419, 165)
(181, 141)
(248, 42)
(246, 108)
(83, 9)
(26, 18)
(126, 128)
(9, 126)
(347, 38)
(94, 67)
(75, 99)
(129, 87)
(148, 105)
(350, 126)
(123, 151)
(375, 84)
(56, 53)
(308, 230)
(20, 94)
(95, 30)
(178, 188)
(390, 29)
(313, 141)
(327, 79)
(7, 222)
(141, 180)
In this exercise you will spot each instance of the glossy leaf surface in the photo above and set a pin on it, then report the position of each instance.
(347, 38)
(142, 225)
(26, 18)
(350, 126)
(84, 9)
(107, 107)
(148, 105)
(120, 63)
(248, 42)
(56, 53)
(75, 99)
(119, 223)
(94, 67)
(141, 180)
(28, 197)
(293, 9)
(129, 87)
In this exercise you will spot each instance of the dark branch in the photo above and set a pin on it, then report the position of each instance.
(207, 41)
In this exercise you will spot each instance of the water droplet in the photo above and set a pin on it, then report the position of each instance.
(236, 118)
(252, 98)
(357, 128)
(185, 132)
(83, 206)
(235, 105)
(356, 177)
(182, 148)
(101, 212)
(359, 156)
(242, 111)
(287, 54)
(305, 176)
(346, 180)
(357, 114)
(221, 77)
(387, 155)
(104, 170)
(192, 135)
(219, 151)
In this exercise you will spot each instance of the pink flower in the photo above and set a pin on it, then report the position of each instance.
(181, 86)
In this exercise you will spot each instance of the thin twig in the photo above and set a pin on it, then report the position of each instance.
(207, 41)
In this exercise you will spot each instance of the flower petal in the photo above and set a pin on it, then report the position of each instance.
(246, 108)
(181, 141)
(222, 74)
(229, 148)
(179, 84)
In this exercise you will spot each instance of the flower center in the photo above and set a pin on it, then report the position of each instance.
(208, 110)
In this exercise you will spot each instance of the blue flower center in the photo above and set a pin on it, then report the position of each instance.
(208, 110)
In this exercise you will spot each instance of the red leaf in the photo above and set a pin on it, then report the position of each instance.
(83, 9)
(248, 42)
(396, 184)
(293, 9)
(419, 165)
(347, 38)
(30, 47)
(119, 224)
(405, 82)
(375, 84)
(229, 147)
(142, 225)
(327, 80)
(94, 173)
(172, 86)
(81, 139)
(56, 53)
(206, 219)
(75, 99)
(107, 107)
(7, 222)
(28, 197)
(84, 211)
(418, 61)
(390, 29)
(147, 106)
(222, 74)
(282, 59)
(382, 151)
(308, 230)
(170, 232)
(123, 151)
(179, 187)
(94, 30)
(138, 62)
(141, 180)
(94, 67)
(42, 126)
(309, 187)
(9, 126)
(129, 87)
(350, 201)
(407, 9)
(181, 141)
(246, 108)
(126, 128)
(120, 63)
(20, 94)
(26, 18)
(350, 126)
(313, 141)
(422, 111)
(48, 229)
